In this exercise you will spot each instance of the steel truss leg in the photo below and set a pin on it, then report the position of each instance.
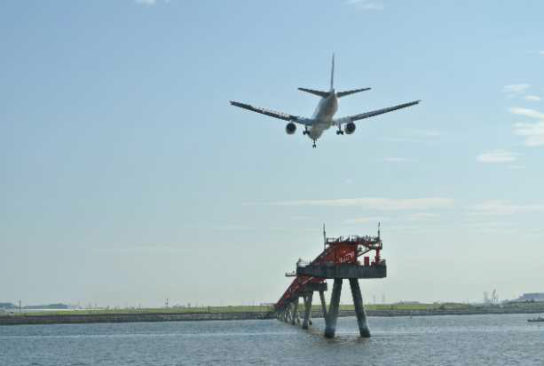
(359, 308)
(307, 310)
(332, 316)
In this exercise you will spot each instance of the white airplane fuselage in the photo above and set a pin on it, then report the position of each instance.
(323, 115)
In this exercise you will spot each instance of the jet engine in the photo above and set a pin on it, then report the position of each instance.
(350, 128)
(290, 128)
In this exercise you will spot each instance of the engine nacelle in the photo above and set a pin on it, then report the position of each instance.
(350, 128)
(290, 128)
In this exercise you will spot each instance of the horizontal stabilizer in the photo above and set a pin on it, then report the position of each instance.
(319, 93)
(349, 92)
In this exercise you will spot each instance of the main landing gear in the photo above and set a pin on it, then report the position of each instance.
(339, 131)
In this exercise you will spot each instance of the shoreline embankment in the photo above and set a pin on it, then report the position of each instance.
(120, 317)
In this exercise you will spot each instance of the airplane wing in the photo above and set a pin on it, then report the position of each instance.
(356, 117)
(271, 113)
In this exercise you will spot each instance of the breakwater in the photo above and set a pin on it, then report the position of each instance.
(128, 317)
(157, 316)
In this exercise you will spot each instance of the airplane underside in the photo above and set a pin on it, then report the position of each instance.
(314, 132)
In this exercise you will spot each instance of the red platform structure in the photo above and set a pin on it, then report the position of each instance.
(339, 260)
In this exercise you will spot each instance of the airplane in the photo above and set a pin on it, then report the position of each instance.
(323, 116)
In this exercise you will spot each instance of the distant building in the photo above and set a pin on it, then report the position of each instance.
(531, 297)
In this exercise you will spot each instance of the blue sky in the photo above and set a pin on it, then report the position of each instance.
(127, 178)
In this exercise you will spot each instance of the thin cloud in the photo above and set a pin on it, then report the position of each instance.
(411, 217)
(499, 208)
(533, 132)
(514, 89)
(526, 112)
(492, 227)
(532, 98)
(371, 203)
(422, 216)
(366, 4)
(497, 156)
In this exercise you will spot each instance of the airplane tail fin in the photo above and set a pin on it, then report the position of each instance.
(324, 94)
(320, 93)
(332, 73)
(349, 92)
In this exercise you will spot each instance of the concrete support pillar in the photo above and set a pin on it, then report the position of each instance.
(307, 310)
(289, 313)
(359, 308)
(332, 316)
(310, 312)
(298, 315)
(295, 310)
(323, 303)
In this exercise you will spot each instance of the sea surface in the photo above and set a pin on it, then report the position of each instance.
(426, 340)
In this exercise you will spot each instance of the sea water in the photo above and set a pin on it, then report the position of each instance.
(426, 340)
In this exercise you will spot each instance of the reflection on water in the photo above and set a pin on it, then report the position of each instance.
(431, 340)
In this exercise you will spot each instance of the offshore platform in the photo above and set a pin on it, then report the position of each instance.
(338, 261)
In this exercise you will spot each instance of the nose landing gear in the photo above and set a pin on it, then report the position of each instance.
(314, 145)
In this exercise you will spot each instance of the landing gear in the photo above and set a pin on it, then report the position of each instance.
(339, 131)
(305, 132)
(314, 145)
